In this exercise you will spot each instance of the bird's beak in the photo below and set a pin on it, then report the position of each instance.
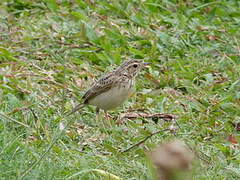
(145, 64)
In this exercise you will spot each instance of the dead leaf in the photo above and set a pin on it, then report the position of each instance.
(212, 38)
(151, 78)
(15, 110)
(232, 139)
(31, 139)
(106, 174)
(203, 28)
(156, 27)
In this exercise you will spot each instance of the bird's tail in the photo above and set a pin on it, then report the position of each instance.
(79, 106)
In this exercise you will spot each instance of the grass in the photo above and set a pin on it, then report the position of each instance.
(50, 51)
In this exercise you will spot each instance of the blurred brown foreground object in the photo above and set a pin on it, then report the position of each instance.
(172, 160)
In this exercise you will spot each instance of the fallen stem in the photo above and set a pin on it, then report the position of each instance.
(145, 139)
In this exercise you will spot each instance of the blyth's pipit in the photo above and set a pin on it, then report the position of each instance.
(113, 88)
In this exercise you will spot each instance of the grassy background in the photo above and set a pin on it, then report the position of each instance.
(51, 50)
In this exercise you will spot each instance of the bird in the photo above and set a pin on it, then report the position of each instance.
(113, 88)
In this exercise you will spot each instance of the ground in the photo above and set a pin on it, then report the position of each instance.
(52, 50)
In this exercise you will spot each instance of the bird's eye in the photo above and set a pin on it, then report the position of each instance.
(135, 65)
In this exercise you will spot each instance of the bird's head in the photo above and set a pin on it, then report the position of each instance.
(131, 67)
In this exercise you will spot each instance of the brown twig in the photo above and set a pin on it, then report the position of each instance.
(132, 115)
(145, 139)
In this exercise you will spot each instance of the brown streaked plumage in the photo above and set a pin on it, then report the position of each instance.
(113, 88)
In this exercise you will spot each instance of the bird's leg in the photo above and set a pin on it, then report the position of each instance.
(97, 113)
(99, 118)
(108, 117)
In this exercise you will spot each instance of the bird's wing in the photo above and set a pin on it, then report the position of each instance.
(102, 85)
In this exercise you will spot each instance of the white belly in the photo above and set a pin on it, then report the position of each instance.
(112, 98)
